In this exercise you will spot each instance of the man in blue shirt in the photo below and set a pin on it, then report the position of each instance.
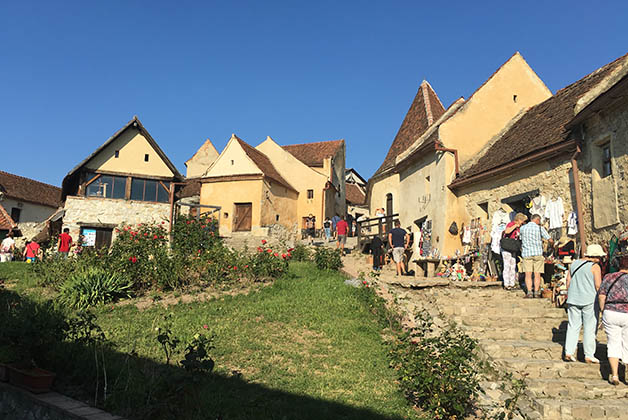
(532, 236)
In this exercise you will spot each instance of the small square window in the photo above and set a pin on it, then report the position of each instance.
(117, 154)
(310, 194)
(146, 157)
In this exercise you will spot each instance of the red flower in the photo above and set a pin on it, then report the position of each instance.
(235, 268)
(290, 250)
(259, 249)
(203, 226)
(187, 223)
(283, 256)
(133, 233)
(363, 281)
(263, 241)
(163, 223)
(161, 237)
(205, 326)
(276, 255)
(269, 251)
(133, 259)
(246, 266)
(155, 236)
(145, 233)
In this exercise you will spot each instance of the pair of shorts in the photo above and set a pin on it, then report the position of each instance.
(342, 239)
(397, 254)
(534, 264)
(311, 232)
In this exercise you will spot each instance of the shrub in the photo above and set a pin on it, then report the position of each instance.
(190, 235)
(268, 263)
(437, 372)
(301, 253)
(136, 251)
(327, 258)
(94, 286)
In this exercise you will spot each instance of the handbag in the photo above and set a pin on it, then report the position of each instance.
(510, 245)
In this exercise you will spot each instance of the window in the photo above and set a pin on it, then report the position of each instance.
(106, 186)
(15, 214)
(150, 190)
(146, 157)
(607, 168)
(276, 218)
(117, 154)
(310, 194)
(96, 237)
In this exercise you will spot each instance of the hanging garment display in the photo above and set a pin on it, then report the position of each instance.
(572, 224)
(466, 235)
(500, 220)
(554, 211)
(538, 205)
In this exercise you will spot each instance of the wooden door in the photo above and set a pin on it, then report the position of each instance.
(243, 216)
(103, 238)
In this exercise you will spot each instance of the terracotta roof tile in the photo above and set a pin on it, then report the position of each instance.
(425, 109)
(26, 189)
(6, 223)
(263, 163)
(314, 154)
(541, 126)
(355, 195)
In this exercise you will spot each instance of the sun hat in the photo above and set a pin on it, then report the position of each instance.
(594, 250)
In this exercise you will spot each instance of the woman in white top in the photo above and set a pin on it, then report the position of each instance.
(6, 248)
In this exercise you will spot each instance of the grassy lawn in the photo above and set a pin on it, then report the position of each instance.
(307, 347)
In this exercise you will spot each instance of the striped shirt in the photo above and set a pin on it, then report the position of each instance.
(532, 236)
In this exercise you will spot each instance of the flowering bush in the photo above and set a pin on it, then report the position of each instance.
(266, 262)
(138, 252)
(190, 235)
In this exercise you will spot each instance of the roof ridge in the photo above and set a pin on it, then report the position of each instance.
(30, 179)
(593, 73)
(313, 142)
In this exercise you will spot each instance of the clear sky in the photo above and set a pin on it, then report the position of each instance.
(74, 72)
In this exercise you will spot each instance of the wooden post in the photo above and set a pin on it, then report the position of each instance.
(359, 224)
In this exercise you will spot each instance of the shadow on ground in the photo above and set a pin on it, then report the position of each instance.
(140, 388)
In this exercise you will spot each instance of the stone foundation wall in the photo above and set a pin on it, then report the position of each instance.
(93, 211)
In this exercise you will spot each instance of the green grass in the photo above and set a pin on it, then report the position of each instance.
(307, 347)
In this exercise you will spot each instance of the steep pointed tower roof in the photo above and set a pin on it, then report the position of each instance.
(425, 109)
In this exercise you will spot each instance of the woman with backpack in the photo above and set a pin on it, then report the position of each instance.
(583, 281)
(613, 298)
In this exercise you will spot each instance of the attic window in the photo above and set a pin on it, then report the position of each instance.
(117, 154)
(514, 98)
(146, 157)
(232, 162)
(276, 218)
(310, 194)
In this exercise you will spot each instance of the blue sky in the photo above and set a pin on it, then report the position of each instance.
(73, 72)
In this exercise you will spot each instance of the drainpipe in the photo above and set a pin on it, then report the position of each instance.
(439, 148)
(576, 180)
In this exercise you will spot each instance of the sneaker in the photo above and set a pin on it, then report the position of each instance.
(569, 358)
(528, 296)
(591, 360)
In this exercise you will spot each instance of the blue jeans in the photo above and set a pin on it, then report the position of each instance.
(581, 315)
(328, 233)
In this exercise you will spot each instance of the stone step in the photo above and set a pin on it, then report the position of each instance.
(512, 322)
(533, 349)
(576, 388)
(552, 369)
(539, 312)
(580, 409)
(556, 335)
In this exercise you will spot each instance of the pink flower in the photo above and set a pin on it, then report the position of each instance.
(155, 236)
(276, 254)
(205, 326)
(187, 223)
(246, 266)
(203, 226)
(145, 233)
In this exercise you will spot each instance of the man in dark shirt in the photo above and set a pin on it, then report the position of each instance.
(398, 241)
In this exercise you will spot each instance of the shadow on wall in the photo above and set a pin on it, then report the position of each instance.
(140, 388)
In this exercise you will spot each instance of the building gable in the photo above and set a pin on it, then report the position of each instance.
(233, 161)
(200, 162)
(514, 86)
